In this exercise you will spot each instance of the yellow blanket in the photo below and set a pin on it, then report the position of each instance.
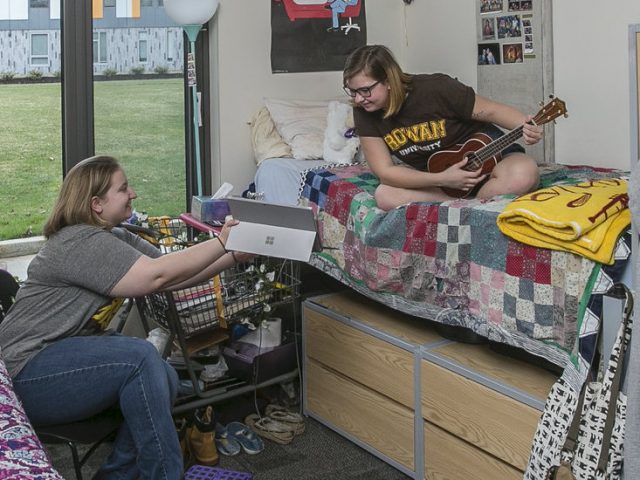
(586, 218)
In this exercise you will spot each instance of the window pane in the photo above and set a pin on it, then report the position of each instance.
(39, 3)
(103, 47)
(39, 44)
(30, 132)
(141, 121)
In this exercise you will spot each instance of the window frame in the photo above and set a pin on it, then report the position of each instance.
(78, 129)
(33, 56)
(100, 41)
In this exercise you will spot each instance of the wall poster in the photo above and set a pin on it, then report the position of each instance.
(315, 35)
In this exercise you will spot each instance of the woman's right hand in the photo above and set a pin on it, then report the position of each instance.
(456, 177)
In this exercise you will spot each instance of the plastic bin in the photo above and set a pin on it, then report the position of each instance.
(200, 472)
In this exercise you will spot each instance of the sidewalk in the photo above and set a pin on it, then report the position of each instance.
(15, 255)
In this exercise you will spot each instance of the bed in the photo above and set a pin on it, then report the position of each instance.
(447, 262)
(450, 263)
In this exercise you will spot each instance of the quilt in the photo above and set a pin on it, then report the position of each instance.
(448, 262)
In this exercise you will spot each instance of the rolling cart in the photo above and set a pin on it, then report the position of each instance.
(198, 317)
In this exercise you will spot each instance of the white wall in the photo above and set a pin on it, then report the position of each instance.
(590, 71)
(241, 34)
(591, 74)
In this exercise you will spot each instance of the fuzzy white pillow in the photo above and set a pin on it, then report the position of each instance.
(301, 123)
(340, 143)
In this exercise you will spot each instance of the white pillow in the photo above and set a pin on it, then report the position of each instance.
(265, 139)
(301, 124)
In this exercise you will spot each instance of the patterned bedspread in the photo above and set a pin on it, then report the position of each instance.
(448, 261)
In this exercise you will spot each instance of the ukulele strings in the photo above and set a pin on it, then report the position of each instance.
(498, 145)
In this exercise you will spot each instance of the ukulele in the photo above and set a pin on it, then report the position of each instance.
(483, 152)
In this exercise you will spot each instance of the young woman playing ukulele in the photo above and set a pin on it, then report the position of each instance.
(413, 117)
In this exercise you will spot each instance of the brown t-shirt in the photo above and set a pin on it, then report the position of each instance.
(435, 115)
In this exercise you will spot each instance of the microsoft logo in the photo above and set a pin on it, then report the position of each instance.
(269, 240)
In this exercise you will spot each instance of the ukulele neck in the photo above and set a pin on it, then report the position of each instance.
(494, 148)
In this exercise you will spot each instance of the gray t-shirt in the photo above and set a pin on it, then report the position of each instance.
(67, 292)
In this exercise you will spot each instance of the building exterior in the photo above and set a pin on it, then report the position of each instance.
(129, 36)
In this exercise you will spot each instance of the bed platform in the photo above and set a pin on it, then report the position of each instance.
(448, 262)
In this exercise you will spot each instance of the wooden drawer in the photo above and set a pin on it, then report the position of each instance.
(374, 419)
(449, 458)
(483, 417)
(351, 305)
(379, 365)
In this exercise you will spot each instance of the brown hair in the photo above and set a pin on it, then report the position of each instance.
(377, 62)
(89, 178)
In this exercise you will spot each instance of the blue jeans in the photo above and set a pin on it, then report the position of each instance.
(78, 377)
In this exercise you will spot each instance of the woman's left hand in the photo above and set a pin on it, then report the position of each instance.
(226, 228)
(531, 133)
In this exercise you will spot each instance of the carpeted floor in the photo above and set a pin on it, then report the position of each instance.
(319, 453)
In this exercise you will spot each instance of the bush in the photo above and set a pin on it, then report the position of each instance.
(109, 72)
(56, 74)
(136, 70)
(7, 76)
(160, 69)
(34, 74)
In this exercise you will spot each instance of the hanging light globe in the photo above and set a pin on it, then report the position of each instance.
(191, 12)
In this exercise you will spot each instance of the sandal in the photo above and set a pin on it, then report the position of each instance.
(226, 444)
(270, 429)
(248, 440)
(281, 414)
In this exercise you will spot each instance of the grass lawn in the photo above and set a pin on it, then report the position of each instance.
(140, 122)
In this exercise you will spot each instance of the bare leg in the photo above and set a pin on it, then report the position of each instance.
(388, 197)
(516, 174)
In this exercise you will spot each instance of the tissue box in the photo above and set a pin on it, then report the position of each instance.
(206, 209)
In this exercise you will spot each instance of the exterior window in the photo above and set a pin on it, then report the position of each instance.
(171, 46)
(99, 47)
(146, 3)
(109, 3)
(142, 47)
(39, 49)
(39, 3)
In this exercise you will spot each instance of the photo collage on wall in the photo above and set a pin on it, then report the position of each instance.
(505, 31)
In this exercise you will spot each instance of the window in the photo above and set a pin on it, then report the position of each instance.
(146, 3)
(39, 49)
(171, 45)
(142, 47)
(39, 3)
(109, 3)
(99, 47)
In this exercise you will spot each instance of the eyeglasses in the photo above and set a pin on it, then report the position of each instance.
(364, 92)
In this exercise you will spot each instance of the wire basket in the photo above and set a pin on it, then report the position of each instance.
(249, 287)
(193, 310)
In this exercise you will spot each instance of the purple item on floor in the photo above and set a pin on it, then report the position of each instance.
(200, 472)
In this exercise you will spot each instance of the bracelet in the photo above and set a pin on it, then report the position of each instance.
(222, 244)
(233, 255)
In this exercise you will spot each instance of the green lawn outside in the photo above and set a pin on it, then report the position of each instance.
(140, 122)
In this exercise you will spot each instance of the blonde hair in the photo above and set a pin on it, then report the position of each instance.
(377, 62)
(89, 178)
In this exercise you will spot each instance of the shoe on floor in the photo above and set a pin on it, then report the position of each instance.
(200, 438)
(226, 444)
(281, 414)
(248, 440)
(270, 429)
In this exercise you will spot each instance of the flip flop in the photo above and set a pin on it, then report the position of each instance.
(270, 429)
(248, 440)
(281, 414)
(226, 444)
